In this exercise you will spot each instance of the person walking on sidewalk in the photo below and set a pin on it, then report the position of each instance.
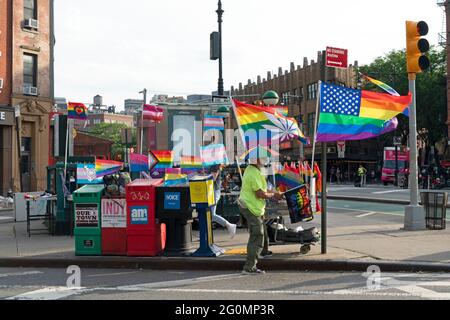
(252, 202)
(216, 172)
(362, 173)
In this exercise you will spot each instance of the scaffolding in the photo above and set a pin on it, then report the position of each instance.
(442, 37)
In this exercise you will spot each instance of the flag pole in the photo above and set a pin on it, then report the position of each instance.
(316, 121)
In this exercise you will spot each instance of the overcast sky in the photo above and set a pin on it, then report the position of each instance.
(117, 48)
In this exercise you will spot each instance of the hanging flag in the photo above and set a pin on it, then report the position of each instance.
(107, 167)
(382, 85)
(349, 114)
(253, 118)
(318, 175)
(86, 174)
(213, 155)
(213, 123)
(153, 114)
(76, 111)
(165, 159)
(138, 162)
(190, 165)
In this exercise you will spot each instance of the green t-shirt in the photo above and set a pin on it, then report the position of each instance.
(252, 182)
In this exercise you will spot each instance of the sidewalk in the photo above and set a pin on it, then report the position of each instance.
(349, 249)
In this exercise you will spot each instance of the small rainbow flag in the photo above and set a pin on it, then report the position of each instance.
(173, 180)
(138, 162)
(191, 165)
(107, 167)
(76, 111)
(382, 85)
(165, 159)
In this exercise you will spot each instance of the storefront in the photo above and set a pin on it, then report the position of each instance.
(6, 138)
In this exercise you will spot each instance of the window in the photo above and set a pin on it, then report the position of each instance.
(29, 70)
(30, 9)
(312, 91)
(311, 123)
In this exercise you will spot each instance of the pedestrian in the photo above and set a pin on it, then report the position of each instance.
(252, 203)
(362, 173)
(338, 175)
(332, 173)
(216, 171)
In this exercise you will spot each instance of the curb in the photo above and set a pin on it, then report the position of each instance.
(217, 264)
(374, 200)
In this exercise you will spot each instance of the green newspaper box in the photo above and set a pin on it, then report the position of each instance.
(87, 212)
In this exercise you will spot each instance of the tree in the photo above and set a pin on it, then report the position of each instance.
(431, 87)
(113, 132)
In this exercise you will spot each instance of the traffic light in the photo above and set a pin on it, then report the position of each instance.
(417, 47)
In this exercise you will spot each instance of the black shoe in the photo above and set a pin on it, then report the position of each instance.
(267, 254)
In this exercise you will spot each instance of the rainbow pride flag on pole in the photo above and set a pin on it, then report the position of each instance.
(76, 111)
(382, 85)
(282, 129)
(190, 165)
(107, 167)
(165, 159)
(348, 114)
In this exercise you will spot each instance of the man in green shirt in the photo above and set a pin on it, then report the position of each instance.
(254, 194)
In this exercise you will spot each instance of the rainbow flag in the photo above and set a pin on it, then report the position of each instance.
(190, 165)
(76, 111)
(284, 111)
(348, 114)
(173, 180)
(253, 119)
(382, 85)
(86, 174)
(260, 151)
(288, 179)
(165, 159)
(138, 162)
(107, 167)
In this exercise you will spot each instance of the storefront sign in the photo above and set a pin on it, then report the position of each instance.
(86, 216)
(172, 201)
(139, 215)
(6, 117)
(114, 213)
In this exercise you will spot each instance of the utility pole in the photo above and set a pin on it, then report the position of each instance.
(324, 169)
(220, 12)
(142, 120)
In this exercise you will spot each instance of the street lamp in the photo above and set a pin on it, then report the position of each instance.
(220, 13)
(271, 98)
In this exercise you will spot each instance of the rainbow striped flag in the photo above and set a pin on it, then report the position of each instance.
(165, 159)
(190, 165)
(348, 114)
(76, 111)
(253, 119)
(173, 180)
(138, 162)
(107, 167)
(382, 85)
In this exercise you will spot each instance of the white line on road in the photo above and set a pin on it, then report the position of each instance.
(19, 274)
(387, 192)
(111, 274)
(367, 214)
(50, 293)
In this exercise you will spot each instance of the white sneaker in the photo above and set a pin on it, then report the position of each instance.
(232, 230)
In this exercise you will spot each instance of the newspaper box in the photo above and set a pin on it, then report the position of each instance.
(87, 214)
(145, 236)
(202, 191)
(114, 226)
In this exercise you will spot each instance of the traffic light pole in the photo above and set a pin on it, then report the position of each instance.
(414, 213)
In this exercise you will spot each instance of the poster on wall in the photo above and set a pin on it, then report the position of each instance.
(86, 216)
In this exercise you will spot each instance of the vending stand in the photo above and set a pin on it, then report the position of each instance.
(173, 207)
(114, 226)
(202, 199)
(145, 236)
(87, 211)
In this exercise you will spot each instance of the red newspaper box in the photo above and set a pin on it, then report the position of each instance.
(114, 230)
(145, 237)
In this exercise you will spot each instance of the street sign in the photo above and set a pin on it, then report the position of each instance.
(341, 149)
(337, 58)
(397, 141)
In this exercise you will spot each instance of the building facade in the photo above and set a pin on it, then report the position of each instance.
(26, 70)
(98, 118)
(132, 106)
(298, 89)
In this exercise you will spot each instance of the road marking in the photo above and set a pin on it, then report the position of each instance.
(387, 192)
(49, 293)
(367, 214)
(19, 274)
(111, 274)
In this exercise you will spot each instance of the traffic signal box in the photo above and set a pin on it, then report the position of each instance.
(417, 47)
(145, 236)
(87, 212)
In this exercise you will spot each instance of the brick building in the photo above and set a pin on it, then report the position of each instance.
(27, 77)
(299, 86)
(97, 118)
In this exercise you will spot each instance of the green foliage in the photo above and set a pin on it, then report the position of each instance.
(113, 132)
(431, 92)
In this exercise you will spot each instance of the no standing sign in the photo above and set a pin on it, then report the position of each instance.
(337, 58)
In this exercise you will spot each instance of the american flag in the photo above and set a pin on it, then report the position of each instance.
(340, 101)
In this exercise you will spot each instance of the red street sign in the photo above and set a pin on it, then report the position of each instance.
(337, 58)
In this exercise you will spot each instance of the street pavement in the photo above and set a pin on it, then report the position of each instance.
(97, 284)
